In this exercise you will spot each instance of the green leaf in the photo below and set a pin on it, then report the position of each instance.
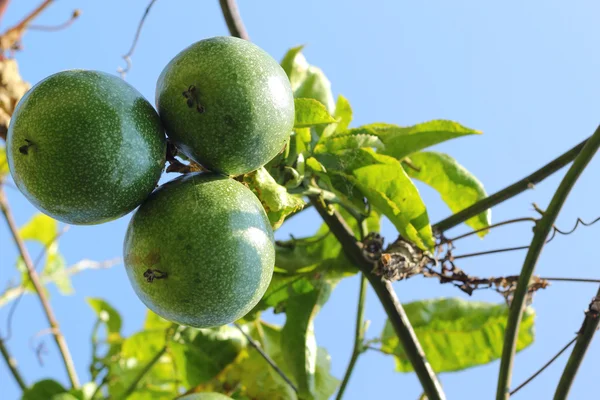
(202, 354)
(310, 112)
(348, 141)
(85, 392)
(457, 186)
(276, 200)
(3, 162)
(107, 314)
(295, 66)
(154, 321)
(44, 390)
(343, 112)
(40, 228)
(256, 380)
(316, 86)
(56, 271)
(43, 229)
(298, 342)
(325, 383)
(159, 383)
(382, 180)
(402, 141)
(457, 334)
(307, 80)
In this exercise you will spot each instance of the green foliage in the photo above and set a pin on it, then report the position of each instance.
(44, 230)
(402, 141)
(276, 200)
(307, 80)
(3, 162)
(363, 173)
(310, 112)
(256, 380)
(46, 389)
(457, 186)
(382, 180)
(298, 342)
(456, 334)
(348, 141)
(201, 354)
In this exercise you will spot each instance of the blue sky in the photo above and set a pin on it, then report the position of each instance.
(525, 73)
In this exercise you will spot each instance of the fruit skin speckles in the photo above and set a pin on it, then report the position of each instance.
(226, 104)
(215, 245)
(85, 147)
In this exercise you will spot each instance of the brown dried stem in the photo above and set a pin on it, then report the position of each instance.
(39, 289)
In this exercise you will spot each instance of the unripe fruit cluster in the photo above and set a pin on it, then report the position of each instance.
(86, 148)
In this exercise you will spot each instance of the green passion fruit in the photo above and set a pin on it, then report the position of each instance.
(226, 104)
(85, 147)
(199, 251)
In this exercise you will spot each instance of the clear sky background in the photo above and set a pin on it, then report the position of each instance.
(525, 73)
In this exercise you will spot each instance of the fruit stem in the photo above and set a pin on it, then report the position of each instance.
(542, 230)
(12, 366)
(359, 335)
(39, 289)
(510, 191)
(387, 296)
(234, 22)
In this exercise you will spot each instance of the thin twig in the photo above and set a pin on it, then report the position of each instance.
(483, 253)
(10, 39)
(39, 288)
(11, 363)
(539, 371)
(573, 280)
(510, 221)
(267, 358)
(387, 296)
(13, 308)
(127, 57)
(359, 336)
(590, 325)
(170, 333)
(131, 388)
(510, 191)
(76, 13)
(3, 5)
(231, 13)
(542, 230)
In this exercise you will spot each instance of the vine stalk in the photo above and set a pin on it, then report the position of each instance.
(542, 230)
(39, 289)
(510, 191)
(12, 365)
(359, 336)
(584, 338)
(387, 296)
